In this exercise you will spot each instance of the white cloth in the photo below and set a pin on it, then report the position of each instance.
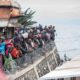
(25, 35)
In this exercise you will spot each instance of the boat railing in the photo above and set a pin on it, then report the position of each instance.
(30, 58)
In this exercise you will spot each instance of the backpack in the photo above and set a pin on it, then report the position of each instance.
(15, 53)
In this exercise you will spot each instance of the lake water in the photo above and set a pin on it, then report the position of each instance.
(68, 40)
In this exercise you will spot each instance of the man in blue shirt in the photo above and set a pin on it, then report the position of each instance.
(2, 46)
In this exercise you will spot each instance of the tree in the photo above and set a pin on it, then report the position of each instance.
(26, 18)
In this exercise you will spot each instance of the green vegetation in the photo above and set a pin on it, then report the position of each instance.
(26, 19)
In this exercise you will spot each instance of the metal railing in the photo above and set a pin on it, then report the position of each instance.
(30, 58)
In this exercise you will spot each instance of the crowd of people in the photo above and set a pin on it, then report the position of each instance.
(21, 44)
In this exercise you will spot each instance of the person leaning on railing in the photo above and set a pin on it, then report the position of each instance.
(22, 46)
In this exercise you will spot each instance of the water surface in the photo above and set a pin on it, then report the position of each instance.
(68, 40)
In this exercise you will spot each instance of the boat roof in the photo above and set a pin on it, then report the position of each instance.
(68, 69)
(9, 3)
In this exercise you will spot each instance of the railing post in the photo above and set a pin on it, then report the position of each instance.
(48, 66)
(47, 62)
(36, 72)
(54, 53)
